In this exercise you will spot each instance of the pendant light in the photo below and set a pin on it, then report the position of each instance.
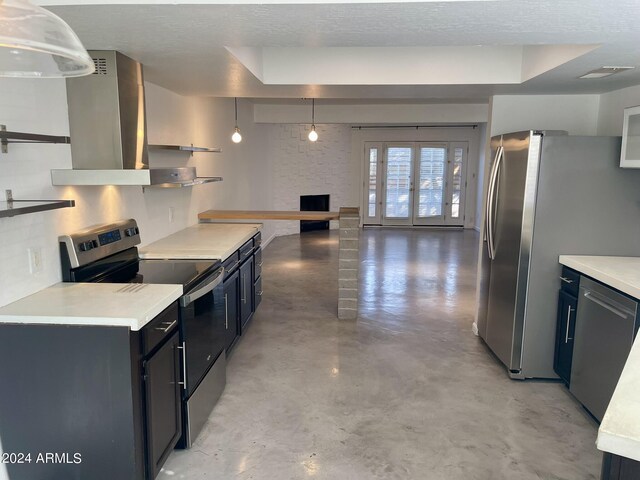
(35, 43)
(236, 137)
(313, 135)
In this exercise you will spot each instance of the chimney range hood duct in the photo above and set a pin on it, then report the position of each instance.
(108, 129)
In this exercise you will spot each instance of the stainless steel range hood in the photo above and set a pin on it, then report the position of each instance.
(108, 128)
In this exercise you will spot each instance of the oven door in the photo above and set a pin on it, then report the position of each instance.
(202, 328)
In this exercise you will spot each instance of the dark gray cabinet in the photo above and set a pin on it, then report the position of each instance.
(162, 403)
(242, 287)
(615, 467)
(106, 398)
(246, 293)
(566, 323)
(257, 292)
(232, 311)
(565, 331)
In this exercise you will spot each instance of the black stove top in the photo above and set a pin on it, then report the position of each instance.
(185, 272)
(126, 267)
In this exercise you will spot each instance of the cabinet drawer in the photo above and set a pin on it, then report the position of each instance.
(246, 250)
(257, 269)
(159, 328)
(257, 239)
(231, 264)
(570, 281)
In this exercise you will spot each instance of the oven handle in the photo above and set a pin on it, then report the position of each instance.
(203, 289)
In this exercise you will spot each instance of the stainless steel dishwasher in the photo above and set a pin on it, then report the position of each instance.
(605, 328)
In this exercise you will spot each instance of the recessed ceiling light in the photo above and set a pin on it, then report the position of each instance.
(605, 72)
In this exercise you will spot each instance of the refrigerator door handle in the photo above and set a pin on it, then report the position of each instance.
(486, 205)
(492, 201)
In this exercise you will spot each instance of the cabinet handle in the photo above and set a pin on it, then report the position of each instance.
(566, 280)
(260, 293)
(244, 289)
(260, 264)
(226, 313)
(183, 347)
(566, 336)
(169, 326)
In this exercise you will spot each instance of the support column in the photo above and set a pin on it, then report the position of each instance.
(349, 263)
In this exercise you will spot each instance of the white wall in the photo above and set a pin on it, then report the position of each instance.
(382, 114)
(293, 156)
(483, 154)
(40, 106)
(612, 105)
(301, 167)
(578, 114)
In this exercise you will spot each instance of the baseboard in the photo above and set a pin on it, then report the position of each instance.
(266, 242)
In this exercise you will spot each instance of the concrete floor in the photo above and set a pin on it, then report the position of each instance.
(406, 392)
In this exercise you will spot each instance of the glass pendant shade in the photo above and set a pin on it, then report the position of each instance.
(35, 43)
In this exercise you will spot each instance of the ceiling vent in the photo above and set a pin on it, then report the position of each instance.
(605, 72)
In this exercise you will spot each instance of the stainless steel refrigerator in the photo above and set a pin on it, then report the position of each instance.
(548, 194)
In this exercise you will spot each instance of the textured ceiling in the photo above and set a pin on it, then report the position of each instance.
(182, 47)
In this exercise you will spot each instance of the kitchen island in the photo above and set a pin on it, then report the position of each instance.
(619, 432)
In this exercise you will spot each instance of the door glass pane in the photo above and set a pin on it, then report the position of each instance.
(373, 166)
(398, 182)
(457, 182)
(431, 181)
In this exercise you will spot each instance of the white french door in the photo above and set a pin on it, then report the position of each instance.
(415, 183)
(397, 184)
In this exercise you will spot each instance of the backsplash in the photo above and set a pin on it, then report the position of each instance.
(39, 106)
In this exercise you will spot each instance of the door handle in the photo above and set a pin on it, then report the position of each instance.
(169, 326)
(183, 347)
(226, 313)
(244, 289)
(202, 289)
(493, 199)
(566, 336)
(588, 295)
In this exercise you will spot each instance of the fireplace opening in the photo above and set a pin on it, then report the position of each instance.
(315, 203)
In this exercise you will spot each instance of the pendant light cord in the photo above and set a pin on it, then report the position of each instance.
(313, 111)
(235, 100)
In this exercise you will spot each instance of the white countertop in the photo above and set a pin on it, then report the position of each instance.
(621, 273)
(619, 432)
(104, 304)
(203, 241)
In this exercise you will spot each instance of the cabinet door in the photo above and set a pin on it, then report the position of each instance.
(162, 402)
(246, 293)
(566, 325)
(231, 302)
(257, 292)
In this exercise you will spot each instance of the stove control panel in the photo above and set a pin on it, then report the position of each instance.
(88, 245)
(98, 242)
(130, 232)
